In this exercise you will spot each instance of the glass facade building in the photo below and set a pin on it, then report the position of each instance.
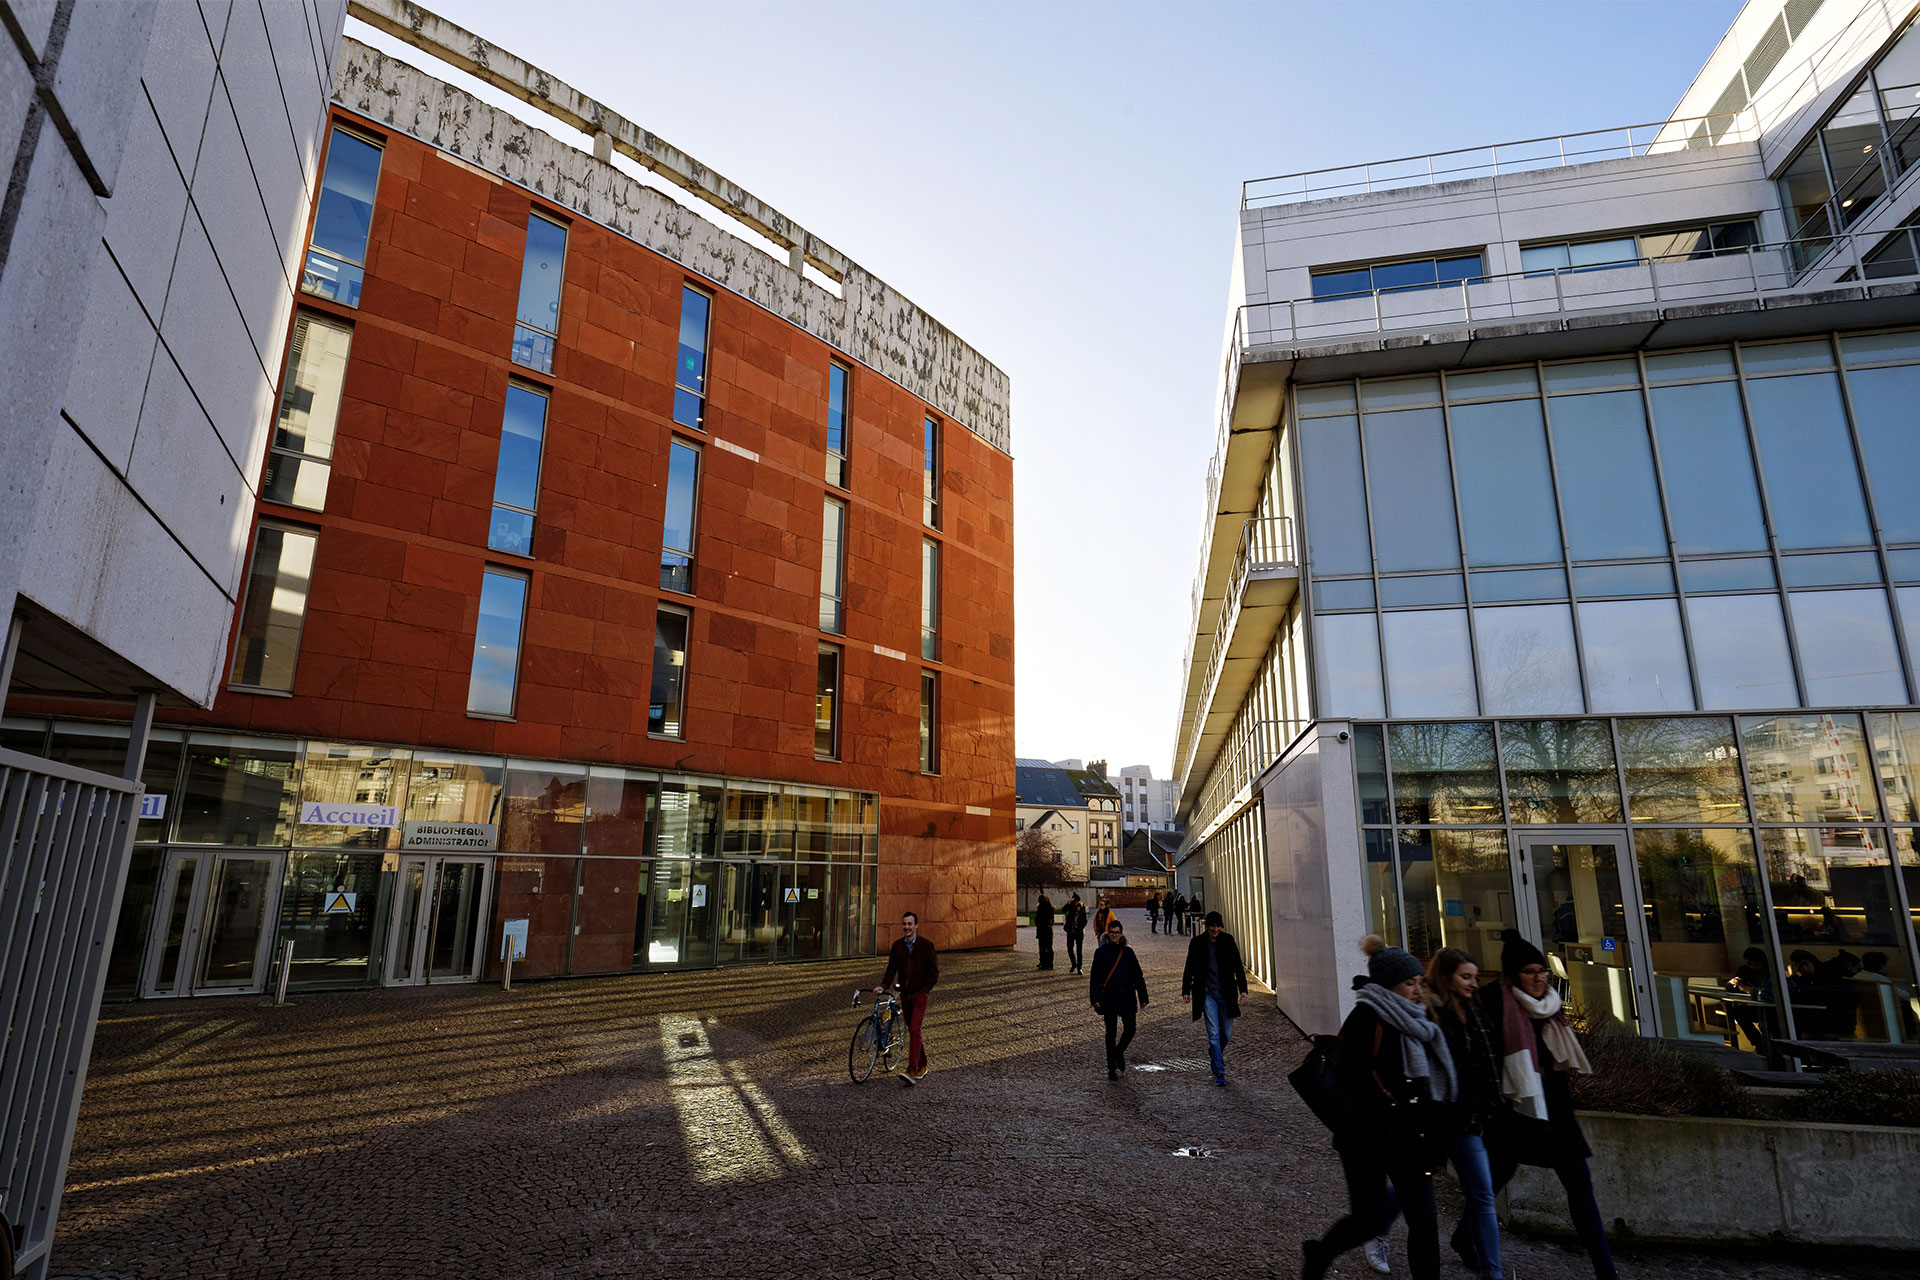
(1597, 617)
(385, 865)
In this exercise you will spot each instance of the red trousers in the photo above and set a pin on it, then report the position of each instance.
(916, 1007)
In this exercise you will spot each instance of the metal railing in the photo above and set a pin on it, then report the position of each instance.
(1521, 156)
(1245, 758)
(1266, 544)
(65, 837)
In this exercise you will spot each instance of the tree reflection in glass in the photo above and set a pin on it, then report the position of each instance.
(1682, 769)
(1444, 773)
(1560, 771)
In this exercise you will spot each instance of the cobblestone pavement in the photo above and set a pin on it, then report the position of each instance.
(704, 1125)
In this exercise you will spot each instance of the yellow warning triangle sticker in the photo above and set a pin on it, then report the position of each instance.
(337, 902)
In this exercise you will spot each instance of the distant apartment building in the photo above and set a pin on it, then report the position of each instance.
(1146, 802)
(1559, 569)
(617, 590)
(1046, 799)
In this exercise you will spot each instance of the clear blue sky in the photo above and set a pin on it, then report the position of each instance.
(1058, 183)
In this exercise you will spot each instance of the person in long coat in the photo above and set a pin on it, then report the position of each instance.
(1074, 925)
(1118, 990)
(1394, 1069)
(1215, 979)
(1043, 931)
(1539, 1054)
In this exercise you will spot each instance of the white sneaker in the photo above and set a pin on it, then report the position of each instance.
(1377, 1255)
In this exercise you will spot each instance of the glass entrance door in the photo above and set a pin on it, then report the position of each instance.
(1582, 918)
(439, 922)
(213, 923)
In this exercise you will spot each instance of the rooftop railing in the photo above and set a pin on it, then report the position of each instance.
(1521, 156)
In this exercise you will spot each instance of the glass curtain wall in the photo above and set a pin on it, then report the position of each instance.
(1721, 529)
(1762, 868)
(615, 869)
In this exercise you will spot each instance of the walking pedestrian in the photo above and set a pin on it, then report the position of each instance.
(1102, 917)
(916, 963)
(1539, 1051)
(1076, 931)
(1043, 931)
(1153, 914)
(1180, 911)
(1215, 979)
(1118, 990)
(1166, 909)
(1453, 989)
(1394, 1066)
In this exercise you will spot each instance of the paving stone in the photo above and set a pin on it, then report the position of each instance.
(647, 1125)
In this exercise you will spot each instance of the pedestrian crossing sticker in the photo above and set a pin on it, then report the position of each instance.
(339, 904)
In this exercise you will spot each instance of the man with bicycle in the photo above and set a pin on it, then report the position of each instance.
(914, 962)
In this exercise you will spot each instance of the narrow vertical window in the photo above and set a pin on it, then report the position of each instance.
(496, 643)
(929, 728)
(665, 701)
(930, 476)
(690, 368)
(536, 321)
(826, 705)
(276, 605)
(337, 254)
(516, 481)
(676, 541)
(301, 460)
(930, 600)
(837, 380)
(833, 564)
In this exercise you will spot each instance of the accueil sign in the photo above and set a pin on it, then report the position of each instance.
(317, 814)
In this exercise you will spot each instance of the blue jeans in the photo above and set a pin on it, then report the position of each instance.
(1219, 1035)
(1478, 1219)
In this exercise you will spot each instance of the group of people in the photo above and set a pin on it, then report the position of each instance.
(1177, 909)
(1435, 1067)
(1214, 980)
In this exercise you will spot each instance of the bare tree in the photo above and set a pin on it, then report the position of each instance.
(1036, 859)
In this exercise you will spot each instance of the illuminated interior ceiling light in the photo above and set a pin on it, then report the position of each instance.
(1847, 203)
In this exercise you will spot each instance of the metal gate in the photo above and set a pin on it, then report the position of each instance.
(65, 835)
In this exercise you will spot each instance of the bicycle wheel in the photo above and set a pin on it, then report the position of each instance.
(893, 1050)
(864, 1051)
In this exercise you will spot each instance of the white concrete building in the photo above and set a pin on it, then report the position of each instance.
(1557, 570)
(1146, 801)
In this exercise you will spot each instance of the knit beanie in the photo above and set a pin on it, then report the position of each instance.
(1389, 966)
(1518, 953)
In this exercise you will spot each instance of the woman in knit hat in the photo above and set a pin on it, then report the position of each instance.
(1538, 1053)
(1397, 1076)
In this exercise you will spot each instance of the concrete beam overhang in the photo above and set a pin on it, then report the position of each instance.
(1249, 632)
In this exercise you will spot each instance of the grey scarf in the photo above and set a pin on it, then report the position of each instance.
(1423, 1049)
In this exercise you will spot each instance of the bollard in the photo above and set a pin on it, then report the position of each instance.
(286, 964)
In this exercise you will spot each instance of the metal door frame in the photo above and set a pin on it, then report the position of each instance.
(186, 978)
(1527, 904)
(419, 974)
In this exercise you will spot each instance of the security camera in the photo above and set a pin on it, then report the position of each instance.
(1343, 735)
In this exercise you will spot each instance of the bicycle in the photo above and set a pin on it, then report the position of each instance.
(874, 1042)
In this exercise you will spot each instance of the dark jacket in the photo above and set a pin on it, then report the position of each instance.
(1074, 917)
(1474, 1043)
(917, 972)
(1233, 974)
(1548, 1143)
(1043, 916)
(1115, 982)
(1390, 1117)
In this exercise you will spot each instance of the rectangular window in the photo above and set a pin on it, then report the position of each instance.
(833, 564)
(690, 366)
(516, 478)
(929, 727)
(1396, 277)
(665, 704)
(838, 379)
(930, 476)
(496, 643)
(826, 705)
(676, 539)
(301, 461)
(536, 321)
(337, 254)
(930, 600)
(276, 605)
